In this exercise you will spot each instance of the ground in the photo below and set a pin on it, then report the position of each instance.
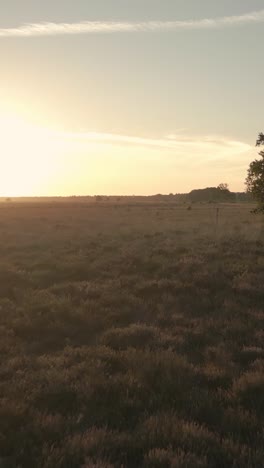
(131, 335)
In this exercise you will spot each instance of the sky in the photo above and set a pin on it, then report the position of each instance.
(128, 97)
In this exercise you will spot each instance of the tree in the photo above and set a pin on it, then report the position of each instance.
(212, 194)
(255, 178)
(223, 187)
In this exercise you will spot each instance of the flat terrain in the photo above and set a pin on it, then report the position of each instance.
(131, 335)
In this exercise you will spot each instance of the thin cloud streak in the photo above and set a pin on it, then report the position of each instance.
(168, 142)
(94, 27)
(209, 146)
(177, 143)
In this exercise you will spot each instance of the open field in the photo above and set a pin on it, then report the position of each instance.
(131, 335)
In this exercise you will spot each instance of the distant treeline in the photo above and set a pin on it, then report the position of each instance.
(219, 194)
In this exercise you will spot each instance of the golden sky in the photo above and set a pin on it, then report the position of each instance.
(102, 98)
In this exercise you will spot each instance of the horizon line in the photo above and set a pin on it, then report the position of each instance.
(175, 194)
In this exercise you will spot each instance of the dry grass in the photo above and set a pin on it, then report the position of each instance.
(131, 335)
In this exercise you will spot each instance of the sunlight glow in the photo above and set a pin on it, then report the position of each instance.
(28, 156)
(37, 161)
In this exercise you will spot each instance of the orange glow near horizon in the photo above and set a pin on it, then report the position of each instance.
(40, 161)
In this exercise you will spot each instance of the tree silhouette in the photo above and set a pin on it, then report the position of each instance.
(223, 187)
(255, 178)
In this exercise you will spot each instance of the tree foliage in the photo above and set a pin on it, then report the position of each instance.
(255, 178)
(213, 194)
(223, 187)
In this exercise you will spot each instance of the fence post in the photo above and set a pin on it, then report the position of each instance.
(217, 221)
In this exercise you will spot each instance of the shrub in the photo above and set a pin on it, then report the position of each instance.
(161, 458)
(248, 391)
(135, 336)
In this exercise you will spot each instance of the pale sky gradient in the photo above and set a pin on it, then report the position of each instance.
(128, 97)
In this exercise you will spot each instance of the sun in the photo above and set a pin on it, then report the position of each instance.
(28, 155)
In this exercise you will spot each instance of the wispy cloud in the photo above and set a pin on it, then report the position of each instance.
(179, 146)
(170, 141)
(204, 148)
(93, 27)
